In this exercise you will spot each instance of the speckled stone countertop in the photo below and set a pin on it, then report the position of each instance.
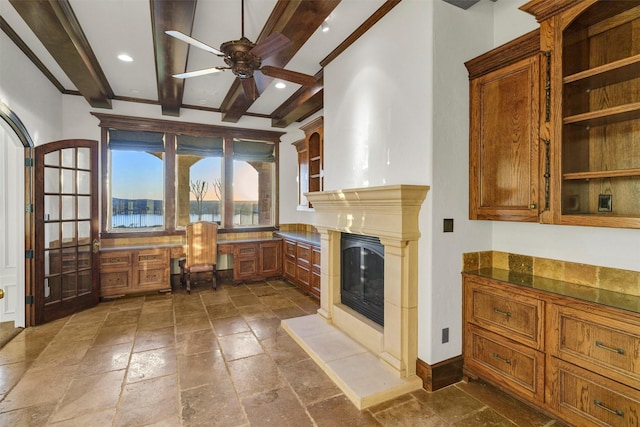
(585, 293)
(303, 236)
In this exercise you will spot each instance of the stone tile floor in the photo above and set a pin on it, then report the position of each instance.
(207, 359)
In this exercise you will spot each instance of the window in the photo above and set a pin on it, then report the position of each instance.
(199, 179)
(137, 180)
(160, 175)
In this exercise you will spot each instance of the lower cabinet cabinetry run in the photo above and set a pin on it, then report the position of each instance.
(301, 265)
(126, 271)
(577, 360)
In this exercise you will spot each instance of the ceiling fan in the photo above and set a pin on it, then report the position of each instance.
(244, 57)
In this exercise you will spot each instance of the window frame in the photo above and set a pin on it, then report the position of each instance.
(171, 129)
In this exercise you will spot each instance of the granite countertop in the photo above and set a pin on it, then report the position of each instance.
(312, 238)
(585, 293)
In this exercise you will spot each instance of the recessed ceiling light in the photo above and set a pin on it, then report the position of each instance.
(280, 85)
(325, 27)
(125, 58)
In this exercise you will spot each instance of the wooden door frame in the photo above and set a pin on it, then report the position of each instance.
(21, 132)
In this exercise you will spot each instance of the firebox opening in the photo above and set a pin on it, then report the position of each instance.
(362, 275)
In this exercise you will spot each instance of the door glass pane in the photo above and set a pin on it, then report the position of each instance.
(84, 257)
(84, 158)
(52, 159)
(69, 261)
(84, 207)
(68, 207)
(68, 233)
(84, 282)
(52, 235)
(52, 289)
(84, 182)
(69, 285)
(68, 181)
(51, 180)
(69, 157)
(84, 232)
(51, 208)
(52, 262)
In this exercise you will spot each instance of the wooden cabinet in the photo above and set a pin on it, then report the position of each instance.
(555, 130)
(503, 139)
(595, 57)
(310, 160)
(504, 337)
(255, 259)
(301, 265)
(576, 359)
(127, 271)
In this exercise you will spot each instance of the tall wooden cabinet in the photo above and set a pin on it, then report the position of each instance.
(559, 125)
(503, 142)
(310, 160)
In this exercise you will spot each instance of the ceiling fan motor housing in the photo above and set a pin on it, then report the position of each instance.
(239, 57)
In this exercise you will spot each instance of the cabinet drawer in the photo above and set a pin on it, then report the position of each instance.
(177, 252)
(506, 313)
(156, 256)
(303, 275)
(115, 259)
(114, 282)
(246, 251)
(152, 278)
(316, 257)
(506, 363)
(596, 342)
(290, 248)
(303, 252)
(290, 269)
(587, 399)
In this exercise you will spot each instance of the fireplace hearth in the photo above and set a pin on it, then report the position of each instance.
(362, 278)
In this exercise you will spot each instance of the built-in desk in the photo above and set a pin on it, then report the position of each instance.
(134, 269)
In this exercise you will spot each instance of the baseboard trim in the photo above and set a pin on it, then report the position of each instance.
(441, 374)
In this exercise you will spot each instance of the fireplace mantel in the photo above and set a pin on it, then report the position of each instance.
(390, 213)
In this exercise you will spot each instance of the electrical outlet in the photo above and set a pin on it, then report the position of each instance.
(447, 225)
(445, 335)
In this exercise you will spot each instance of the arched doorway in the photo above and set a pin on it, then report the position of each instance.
(16, 268)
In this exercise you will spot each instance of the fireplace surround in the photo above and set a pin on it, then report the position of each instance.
(390, 213)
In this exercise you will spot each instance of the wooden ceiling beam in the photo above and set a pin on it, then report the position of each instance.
(56, 26)
(296, 19)
(170, 53)
(303, 103)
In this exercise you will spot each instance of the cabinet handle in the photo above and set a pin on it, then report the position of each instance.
(601, 405)
(502, 313)
(533, 206)
(502, 359)
(599, 344)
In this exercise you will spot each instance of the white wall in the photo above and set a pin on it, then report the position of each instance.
(459, 35)
(29, 94)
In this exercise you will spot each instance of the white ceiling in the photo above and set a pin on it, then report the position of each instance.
(124, 26)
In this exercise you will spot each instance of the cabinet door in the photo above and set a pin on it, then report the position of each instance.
(245, 261)
(503, 150)
(314, 285)
(269, 257)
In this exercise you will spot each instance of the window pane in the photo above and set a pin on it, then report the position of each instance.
(137, 190)
(199, 189)
(253, 193)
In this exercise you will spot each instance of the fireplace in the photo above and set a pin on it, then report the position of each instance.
(362, 275)
(390, 214)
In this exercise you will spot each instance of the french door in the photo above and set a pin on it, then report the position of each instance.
(66, 228)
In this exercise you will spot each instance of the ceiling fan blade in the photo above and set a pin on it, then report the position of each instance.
(292, 76)
(199, 72)
(250, 88)
(185, 38)
(270, 45)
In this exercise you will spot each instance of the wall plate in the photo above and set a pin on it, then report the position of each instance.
(604, 203)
